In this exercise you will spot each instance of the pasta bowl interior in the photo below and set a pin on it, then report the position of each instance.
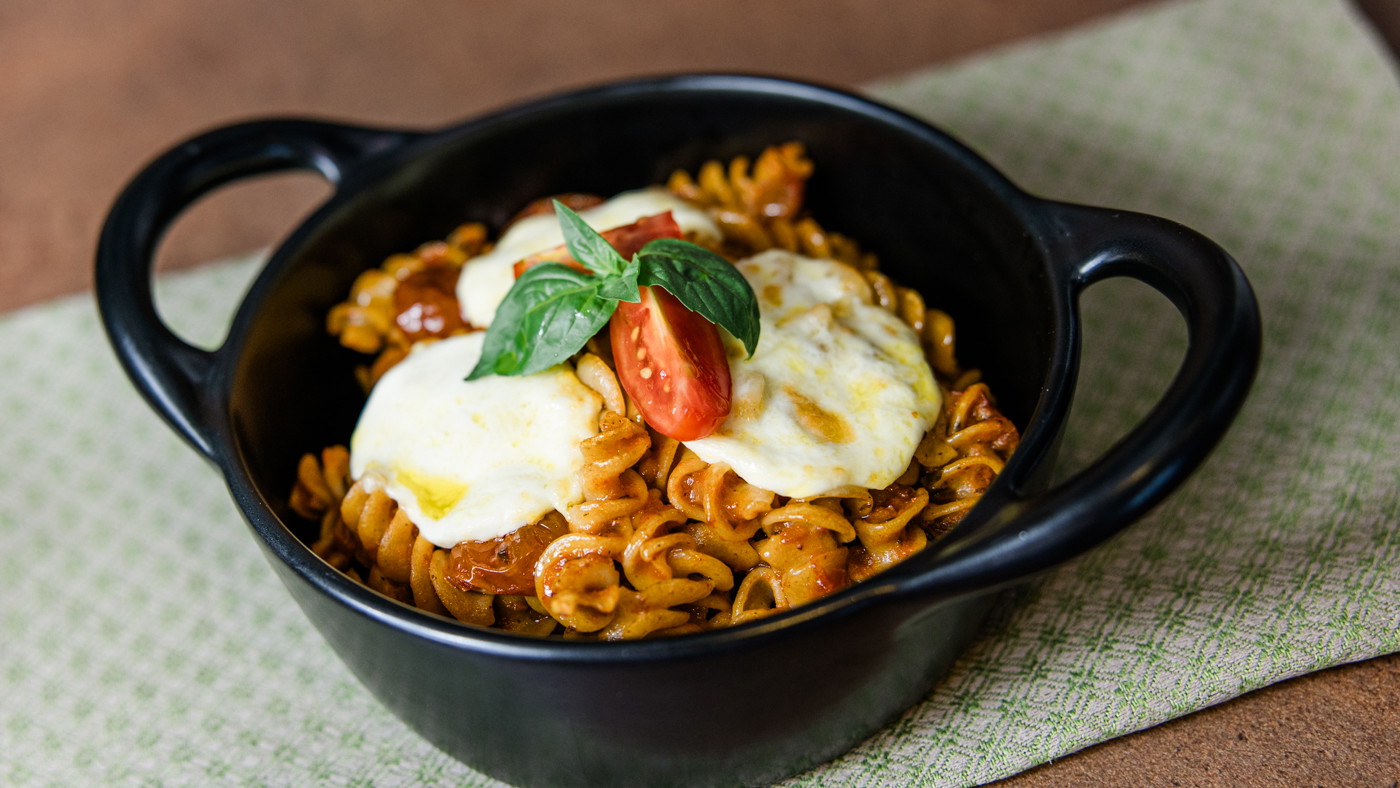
(768, 695)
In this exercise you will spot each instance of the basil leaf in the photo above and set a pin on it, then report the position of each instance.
(622, 287)
(549, 313)
(705, 283)
(587, 245)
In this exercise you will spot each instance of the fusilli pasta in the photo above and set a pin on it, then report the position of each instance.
(662, 542)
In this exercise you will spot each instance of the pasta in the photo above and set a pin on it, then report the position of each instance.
(661, 542)
(760, 207)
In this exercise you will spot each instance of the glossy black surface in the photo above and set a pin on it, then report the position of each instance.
(741, 706)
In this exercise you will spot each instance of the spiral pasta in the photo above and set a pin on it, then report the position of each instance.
(364, 527)
(403, 301)
(760, 207)
(661, 542)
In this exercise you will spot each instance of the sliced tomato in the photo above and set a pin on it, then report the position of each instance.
(505, 565)
(425, 303)
(671, 362)
(630, 238)
(627, 240)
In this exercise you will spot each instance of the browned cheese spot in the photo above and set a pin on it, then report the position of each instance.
(818, 421)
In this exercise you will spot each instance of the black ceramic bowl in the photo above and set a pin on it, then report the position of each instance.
(756, 702)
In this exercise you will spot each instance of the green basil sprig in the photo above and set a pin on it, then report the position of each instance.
(552, 309)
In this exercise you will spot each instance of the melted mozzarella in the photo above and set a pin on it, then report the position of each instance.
(473, 460)
(838, 393)
(486, 279)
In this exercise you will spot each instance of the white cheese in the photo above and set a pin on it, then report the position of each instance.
(839, 392)
(473, 460)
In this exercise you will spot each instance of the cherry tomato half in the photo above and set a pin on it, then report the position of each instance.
(671, 362)
(425, 304)
(669, 359)
(505, 565)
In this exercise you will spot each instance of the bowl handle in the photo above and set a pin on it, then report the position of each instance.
(169, 372)
(1028, 534)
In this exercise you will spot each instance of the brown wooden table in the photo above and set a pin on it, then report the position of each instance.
(89, 92)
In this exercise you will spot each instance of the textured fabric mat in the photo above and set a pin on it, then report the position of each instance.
(143, 640)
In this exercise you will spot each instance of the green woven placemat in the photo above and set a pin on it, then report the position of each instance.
(144, 641)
